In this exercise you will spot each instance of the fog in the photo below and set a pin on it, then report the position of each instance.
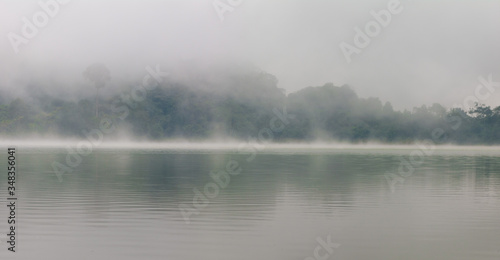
(250, 129)
(248, 58)
(430, 51)
(249, 148)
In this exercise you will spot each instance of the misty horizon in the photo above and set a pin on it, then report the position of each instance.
(250, 129)
(417, 58)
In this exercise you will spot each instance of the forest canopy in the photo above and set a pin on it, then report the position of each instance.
(245, 106)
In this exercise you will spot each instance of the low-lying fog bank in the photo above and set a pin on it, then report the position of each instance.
(237, 145)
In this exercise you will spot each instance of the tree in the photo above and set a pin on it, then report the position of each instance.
(98, 74)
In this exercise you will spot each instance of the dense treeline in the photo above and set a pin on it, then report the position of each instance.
(244, 107)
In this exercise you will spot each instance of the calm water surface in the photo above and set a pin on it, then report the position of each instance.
(124, 204)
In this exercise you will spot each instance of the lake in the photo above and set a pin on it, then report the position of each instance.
(277, 203)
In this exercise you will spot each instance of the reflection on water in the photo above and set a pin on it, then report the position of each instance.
(124, 204)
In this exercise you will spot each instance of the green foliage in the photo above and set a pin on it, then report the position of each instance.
(245, 107)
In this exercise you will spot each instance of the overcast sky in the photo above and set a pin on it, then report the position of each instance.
(431, 51)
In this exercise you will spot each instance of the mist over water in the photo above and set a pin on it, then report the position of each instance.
(235, 145)
(235, 129)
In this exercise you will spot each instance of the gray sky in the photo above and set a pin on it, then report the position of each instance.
(432, 51)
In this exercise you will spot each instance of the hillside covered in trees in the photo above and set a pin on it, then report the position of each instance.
(245, 106)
